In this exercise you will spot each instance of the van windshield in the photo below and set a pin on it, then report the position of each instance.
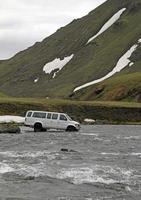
(69, 117)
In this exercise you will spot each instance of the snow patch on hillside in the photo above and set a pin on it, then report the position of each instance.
(56, 64)
(10, 118)
(131, 64)
(122, 63)
(108, 24)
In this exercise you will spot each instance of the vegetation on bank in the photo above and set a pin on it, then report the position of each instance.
(103, 112)
(2, 95)
(11, 128)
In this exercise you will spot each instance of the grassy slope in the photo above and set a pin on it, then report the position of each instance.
(79, 110)
(2, 95)
(94, 60)
(125, 85)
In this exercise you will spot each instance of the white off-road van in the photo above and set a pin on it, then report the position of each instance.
(41, 121)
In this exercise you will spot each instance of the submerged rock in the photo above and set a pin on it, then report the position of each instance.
(64, 150)
(67, 150)
(12, 128)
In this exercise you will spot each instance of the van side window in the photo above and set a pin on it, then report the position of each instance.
(63, 118)
(39, 115)
(49, 116)
(55, 116)
(29, 114)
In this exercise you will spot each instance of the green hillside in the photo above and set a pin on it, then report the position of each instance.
(125, 85)
(91, 61)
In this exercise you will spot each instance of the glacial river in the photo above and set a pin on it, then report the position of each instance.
(102, 163)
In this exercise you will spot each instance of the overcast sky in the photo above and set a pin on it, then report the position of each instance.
(24, 22)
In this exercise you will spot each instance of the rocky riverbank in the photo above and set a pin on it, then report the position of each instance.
(9, 128)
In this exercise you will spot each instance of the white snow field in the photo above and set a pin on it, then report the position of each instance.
(122, 63)
(89, 120)
(10, 118)
(56, 64)
(108, 24)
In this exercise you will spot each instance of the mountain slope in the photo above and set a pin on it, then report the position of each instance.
(90, 61)
(125, 85)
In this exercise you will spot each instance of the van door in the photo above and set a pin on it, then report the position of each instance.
(28, 118)
(62, 122)
(39, 117)
(52, 120)
(55, 120)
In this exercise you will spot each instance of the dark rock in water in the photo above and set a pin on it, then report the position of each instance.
(10, 128)
(11, 176)
(67, 150)
(64, 150)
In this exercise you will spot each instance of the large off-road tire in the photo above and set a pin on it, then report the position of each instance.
(71, 129)
(38, 127)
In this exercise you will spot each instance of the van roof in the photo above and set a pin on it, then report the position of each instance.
(45, 111)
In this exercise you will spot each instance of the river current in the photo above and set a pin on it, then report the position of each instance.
(96, 163)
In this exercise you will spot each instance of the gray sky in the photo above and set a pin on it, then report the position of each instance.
(24, 22)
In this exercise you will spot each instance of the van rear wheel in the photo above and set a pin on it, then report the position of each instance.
(38, 127)
(71, 129)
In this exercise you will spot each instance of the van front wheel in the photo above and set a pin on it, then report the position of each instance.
(37, 127)
(71, 129)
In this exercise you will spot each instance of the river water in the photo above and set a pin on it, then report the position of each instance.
(103, 163)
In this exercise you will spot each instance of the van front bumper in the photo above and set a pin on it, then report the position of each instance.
(77, 126)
